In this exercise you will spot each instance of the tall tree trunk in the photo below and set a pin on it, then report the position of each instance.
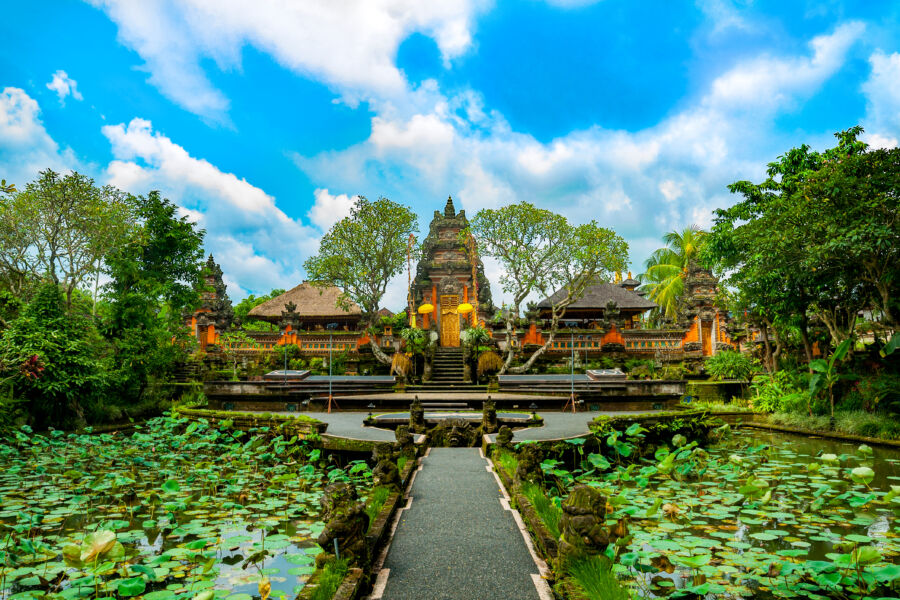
(779, 345)
(377, 352)
(804, 335)
(767, 359)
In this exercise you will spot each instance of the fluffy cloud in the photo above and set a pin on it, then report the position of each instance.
(349, 46)
(256, 243)
(64, 86)
(882, 91)
(25, 145)
(663, 177)
(328, 209)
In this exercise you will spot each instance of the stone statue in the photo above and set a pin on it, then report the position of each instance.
(345, 521)
(504, 437)
(582, 529)
(489, 416)
(454, 433)
(405, 441)
(416, 416)
(529, 469)
(385, 472)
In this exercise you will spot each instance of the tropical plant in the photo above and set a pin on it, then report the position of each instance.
(663, 276)
(729, 364)
(825, 374)
(489, 362)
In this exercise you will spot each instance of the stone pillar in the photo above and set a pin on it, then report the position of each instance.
(715, 333)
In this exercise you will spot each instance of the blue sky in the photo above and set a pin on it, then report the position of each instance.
(263, 120)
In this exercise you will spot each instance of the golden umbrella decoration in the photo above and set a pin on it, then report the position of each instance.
(465, 308)
(426, 308)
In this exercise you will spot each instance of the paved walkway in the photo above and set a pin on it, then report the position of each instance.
(458, 539)
(350, 425)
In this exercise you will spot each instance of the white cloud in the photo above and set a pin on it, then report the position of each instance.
(350, 46)
(329, 209)
(878, 141)
(25, 146)
(770, 82)
(64, 86)
(256, 243)
(639, 183)
(882, 91)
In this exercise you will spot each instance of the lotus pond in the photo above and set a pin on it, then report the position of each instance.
(175, 509)
(753, 515)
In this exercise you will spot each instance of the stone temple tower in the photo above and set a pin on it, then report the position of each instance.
(444, 277)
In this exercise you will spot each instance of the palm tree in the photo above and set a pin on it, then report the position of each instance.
(663, 276)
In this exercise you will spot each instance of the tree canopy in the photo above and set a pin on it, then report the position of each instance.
(819, 237)
(541, 252)
(362, 252)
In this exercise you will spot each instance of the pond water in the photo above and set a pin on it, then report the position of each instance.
(173, 510)
(763, 515)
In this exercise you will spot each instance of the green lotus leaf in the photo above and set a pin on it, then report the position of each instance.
(133, 586)
(863, 475)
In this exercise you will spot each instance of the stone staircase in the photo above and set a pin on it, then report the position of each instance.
(447, 366)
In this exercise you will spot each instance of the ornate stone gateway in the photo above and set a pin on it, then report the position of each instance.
(449, 321)
(444, 278)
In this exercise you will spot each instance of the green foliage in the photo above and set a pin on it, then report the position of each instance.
(330, 579)
(825, 374)
(415, 340)
(213, 491)
(154, 279)
(375, 502)
(71, 383)
(853, 422)
(595, 580)
(781, 391)
(730, 365)
(243, 307)
(60, 227)
(818, 236)
(541, 253)
(663, 277)
(361, 253)
(548, 510)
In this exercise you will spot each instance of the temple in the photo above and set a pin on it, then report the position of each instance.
(450, 293)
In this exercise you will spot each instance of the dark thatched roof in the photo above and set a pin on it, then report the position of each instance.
(598, 295)
(311, 301)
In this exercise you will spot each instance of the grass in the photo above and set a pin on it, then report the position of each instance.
(546, 509)
(595, 581)
(330, 579)
(375, 502)
(855, 422)
(507, 460)
(401, 462)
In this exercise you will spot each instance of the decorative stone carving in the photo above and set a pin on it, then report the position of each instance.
(582, 529)
(504, 437)
(405, 441)
(416, 416)
(345, 521)
(454, 433)
(385, 472)
(489, 416)
(529, 469)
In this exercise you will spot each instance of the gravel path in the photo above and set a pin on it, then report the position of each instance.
(457, 541)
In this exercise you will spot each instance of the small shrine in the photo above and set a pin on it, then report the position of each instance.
(215, 313)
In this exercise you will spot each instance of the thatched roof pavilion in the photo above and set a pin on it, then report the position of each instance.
(310, 306)
(597, 298)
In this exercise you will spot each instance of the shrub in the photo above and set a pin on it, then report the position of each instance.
(489, 362)
(546, 509)
(730, 365)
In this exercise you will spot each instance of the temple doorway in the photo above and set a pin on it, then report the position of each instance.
(706, 337)
(450, 320)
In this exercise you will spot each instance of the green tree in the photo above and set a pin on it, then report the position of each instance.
(361, 253)
(817, 237)
(155, 280)
(249, 303)
(541, 252)
(71, 385)
(60, 227)
(663, 276)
